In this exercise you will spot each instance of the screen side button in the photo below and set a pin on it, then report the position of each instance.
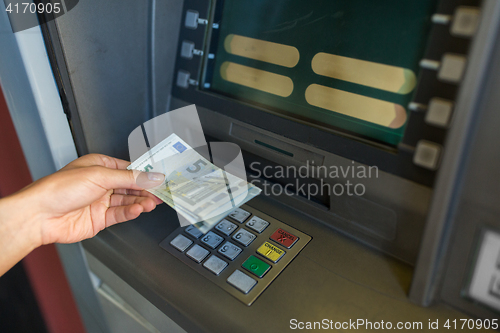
(187, 49)
(191, 20)
(183, 79)
(284, 238)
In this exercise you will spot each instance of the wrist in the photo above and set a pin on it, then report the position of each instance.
(20, 219)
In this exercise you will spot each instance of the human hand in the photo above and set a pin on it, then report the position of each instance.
(89, 194)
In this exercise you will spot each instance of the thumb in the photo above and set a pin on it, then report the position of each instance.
(147, 180)
(128, 179)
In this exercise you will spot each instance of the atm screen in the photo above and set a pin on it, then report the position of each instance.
(346, 65)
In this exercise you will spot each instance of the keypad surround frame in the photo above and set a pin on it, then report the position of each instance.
(251, 249)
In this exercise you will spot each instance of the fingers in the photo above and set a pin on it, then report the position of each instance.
(124, 200)
(98, 159)
(138, 193)
(128, 179)
(126, 207)
(122, 213)
(149, 180)
(128, 191)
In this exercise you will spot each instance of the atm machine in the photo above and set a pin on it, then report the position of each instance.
(405, 89)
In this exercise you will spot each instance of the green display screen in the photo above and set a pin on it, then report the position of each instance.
(348, 65)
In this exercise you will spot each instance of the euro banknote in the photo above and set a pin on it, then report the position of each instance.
(199, 191)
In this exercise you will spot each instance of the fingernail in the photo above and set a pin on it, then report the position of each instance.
(149, 180)
(156, 176)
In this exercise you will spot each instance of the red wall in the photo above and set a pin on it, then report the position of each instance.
(43, 266)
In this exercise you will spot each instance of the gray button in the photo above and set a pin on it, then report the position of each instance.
(226, 227)
(465, 21)
(197, 253)
(257, 224)
(191, 19)
(215, 265)
(229, 250)
(241, 281)
(181, 242)
(244, 237)
(193, 231)
(187, 49)
(183, 79)
(240, 215)
(212, 240)
(439, 112)
(427, 154)
(452, 68)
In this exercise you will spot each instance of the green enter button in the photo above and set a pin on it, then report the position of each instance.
(256, 266)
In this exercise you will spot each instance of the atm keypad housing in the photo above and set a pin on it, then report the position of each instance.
(242, 254)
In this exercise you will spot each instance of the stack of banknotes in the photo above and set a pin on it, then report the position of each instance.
(202, 193)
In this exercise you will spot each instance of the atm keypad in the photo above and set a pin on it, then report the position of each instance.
(242, 254)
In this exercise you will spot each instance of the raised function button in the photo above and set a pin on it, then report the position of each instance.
(191, 21)
(271, 252)
(257, 224)
(187, 49)
(427, 155)
(439, 112)
(241, 281)
(284, 238)
(183, 79)
(181, 242)
(465, 21)
(452, 68)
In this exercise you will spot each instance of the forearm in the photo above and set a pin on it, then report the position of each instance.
(18, 230)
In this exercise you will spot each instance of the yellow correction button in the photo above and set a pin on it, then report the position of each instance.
(271, 252)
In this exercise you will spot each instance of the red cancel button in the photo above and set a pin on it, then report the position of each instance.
(284, 238)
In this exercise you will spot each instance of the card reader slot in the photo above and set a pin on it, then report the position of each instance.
(276, 145)
(266, 178)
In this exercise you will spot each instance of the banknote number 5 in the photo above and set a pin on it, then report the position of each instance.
(197, 166)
